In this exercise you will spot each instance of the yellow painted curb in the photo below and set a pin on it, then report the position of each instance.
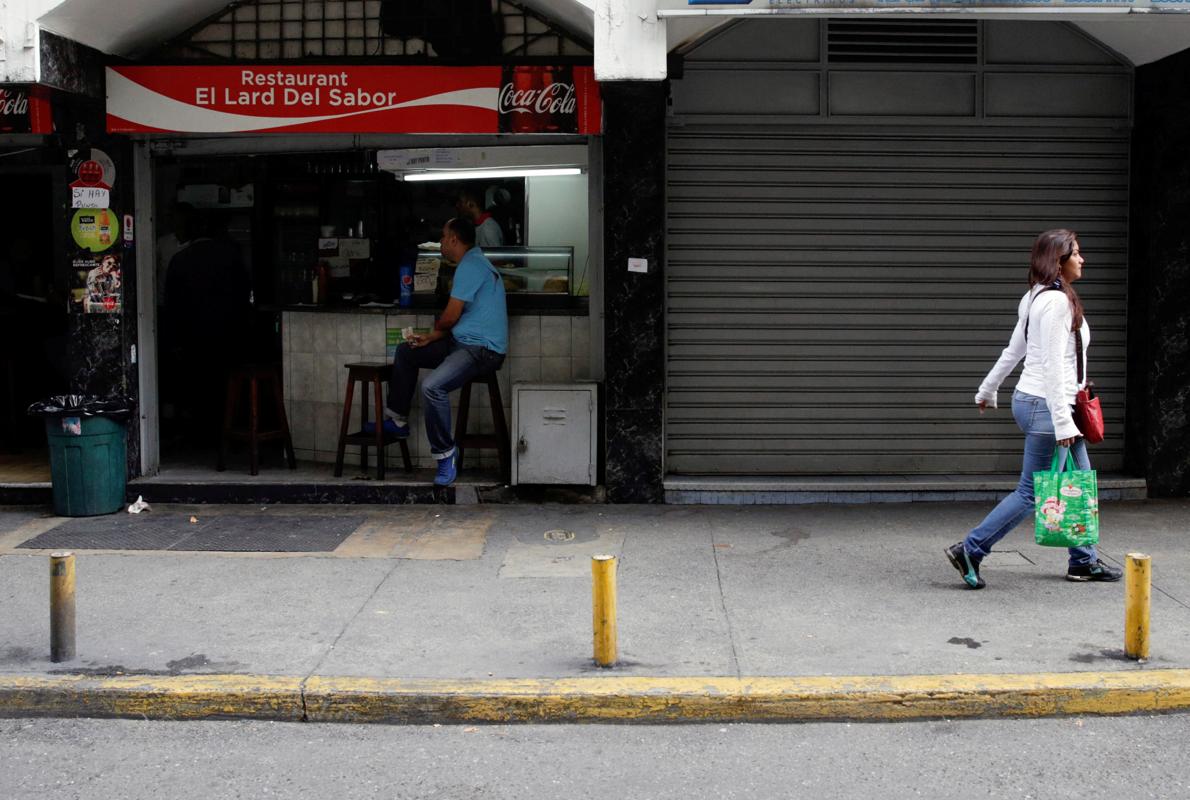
(629, 699)
(153, 697)
(597, 699)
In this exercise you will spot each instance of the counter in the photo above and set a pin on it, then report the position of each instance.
(316, 342)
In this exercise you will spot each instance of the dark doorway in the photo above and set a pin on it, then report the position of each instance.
(33, 315)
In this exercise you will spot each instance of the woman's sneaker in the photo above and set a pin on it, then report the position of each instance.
(967, 565)
(1093, 572)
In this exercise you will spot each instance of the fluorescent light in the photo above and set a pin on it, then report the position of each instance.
(483, 174)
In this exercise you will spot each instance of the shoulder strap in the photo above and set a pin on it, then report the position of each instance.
(1078, 335)
(1030, 308)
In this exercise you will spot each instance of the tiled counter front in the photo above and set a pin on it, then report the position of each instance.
(317, 344)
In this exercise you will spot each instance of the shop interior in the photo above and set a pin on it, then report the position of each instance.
(241, 239)
(34, 318)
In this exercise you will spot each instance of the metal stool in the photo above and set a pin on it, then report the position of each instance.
(498, 440)
(376, 374)
(256, 377)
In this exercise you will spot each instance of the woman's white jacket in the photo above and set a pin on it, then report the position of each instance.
(1049, 352)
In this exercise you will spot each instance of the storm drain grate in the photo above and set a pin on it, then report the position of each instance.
(235, 533)
(116, 532)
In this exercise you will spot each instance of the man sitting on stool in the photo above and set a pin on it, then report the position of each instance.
(469, 340)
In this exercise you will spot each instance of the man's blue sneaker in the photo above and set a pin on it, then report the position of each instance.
(390, 427)
(448, 469)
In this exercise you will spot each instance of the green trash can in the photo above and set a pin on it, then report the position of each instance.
(88, 457)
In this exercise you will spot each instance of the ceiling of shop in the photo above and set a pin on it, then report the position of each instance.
(129, 27)
(574, 15)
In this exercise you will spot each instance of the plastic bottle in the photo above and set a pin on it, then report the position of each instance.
(406, 297)
(323, 282)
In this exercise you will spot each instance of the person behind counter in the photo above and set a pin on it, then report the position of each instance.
(469, 340)
(488, 232)
(207, 321)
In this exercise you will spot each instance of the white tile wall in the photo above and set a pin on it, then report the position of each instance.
(555, 337)
(524, 336)
(580, 348)
(317, 345)
(555, 370)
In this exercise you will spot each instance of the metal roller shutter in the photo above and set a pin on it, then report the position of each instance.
(836, 294)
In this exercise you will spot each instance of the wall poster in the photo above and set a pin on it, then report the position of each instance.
(97, 284)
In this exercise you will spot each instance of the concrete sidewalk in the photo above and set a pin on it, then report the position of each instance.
(485, 602)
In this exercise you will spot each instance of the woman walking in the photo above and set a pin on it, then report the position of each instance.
(1047, 318)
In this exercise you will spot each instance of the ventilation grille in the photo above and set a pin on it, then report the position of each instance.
(287, 29)
(915, 42)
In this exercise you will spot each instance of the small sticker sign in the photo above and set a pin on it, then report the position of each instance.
(90, 197)
(638, 265)
(95, 229)
(92, 167)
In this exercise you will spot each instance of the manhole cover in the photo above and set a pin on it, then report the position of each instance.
(559, 535)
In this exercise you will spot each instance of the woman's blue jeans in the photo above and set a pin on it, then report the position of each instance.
(1033, 417)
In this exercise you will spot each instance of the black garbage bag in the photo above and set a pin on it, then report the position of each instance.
(81, 405)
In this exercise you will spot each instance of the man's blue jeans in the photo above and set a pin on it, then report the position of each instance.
(1033, 417)
(453, 364)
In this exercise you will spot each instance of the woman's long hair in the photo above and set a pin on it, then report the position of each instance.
(1051, 250)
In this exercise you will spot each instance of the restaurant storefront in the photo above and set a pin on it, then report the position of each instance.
(332, 182)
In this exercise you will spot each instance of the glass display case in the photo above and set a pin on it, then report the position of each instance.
(534, 270)
(526, 270)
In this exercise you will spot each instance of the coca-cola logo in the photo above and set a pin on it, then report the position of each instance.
(13, 103)
(557, 98)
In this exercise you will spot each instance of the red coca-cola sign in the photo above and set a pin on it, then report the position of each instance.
(539, 100)
(270, 98)
(25, 109)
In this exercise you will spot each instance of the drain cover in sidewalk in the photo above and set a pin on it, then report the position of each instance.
(240, 533)
(116, 532)
(243, 533)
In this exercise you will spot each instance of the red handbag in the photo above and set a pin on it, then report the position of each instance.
(1088, 415)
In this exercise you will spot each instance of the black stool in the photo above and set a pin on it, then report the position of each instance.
(498, 440)
(256, 377)
(376, 374)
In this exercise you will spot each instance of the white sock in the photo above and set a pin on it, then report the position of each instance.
(395, 417)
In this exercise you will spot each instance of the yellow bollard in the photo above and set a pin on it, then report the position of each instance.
(1137, 591)
(61, 607)
(603, 575)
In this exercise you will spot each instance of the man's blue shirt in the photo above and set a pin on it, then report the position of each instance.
(485, 314)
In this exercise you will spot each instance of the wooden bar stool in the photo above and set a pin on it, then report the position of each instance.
(255, 377)
(498, 440)
(376, 374)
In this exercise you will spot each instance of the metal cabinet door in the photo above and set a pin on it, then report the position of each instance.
(554, 435)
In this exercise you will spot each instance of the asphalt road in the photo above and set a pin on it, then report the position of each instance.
(1132, 758)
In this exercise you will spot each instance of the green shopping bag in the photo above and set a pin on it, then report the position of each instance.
(1066, 505)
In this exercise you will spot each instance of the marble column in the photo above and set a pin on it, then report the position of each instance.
(100, 345)
(634, 302)
(1159, 279)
